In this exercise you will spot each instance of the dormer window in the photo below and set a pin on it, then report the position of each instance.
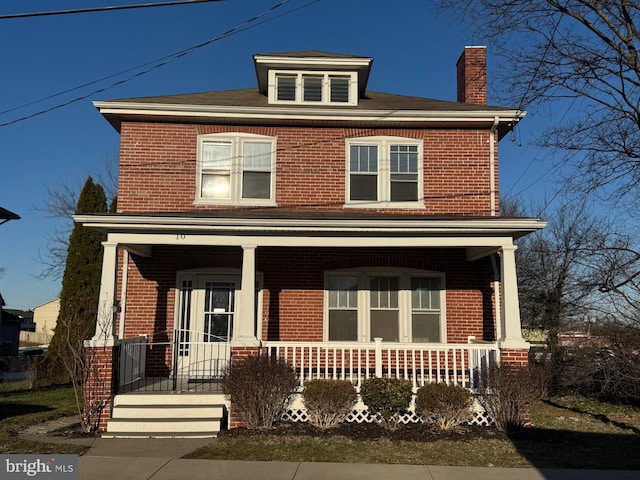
(328, 88)
(286, 88)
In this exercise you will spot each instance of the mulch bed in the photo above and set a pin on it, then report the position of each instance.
(415, 432)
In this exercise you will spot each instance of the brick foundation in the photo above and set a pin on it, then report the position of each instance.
(239, 353)
(515, 357)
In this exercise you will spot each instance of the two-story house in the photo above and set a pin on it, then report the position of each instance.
(353, 233)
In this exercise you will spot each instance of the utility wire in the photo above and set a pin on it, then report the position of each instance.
(509, 193)
(250, 23)
(102, 9)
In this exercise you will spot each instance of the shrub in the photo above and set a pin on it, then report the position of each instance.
(258, 387)
(328, 402)
(446, 405)
(387, 397)
(507, 393)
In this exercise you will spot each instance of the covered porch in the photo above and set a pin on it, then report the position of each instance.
(188, 359)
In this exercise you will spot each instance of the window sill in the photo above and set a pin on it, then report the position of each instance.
(234, 203)
(387, 205)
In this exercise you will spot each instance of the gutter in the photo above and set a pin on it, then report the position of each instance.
(492, 166)
(209, 111)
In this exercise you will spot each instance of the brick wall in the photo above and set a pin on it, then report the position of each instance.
(99, 387)
(158, 167)
(515, 357)
(293, 292)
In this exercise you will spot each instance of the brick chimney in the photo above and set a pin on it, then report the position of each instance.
(472, 75)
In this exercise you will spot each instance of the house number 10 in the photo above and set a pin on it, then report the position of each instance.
(180, 236)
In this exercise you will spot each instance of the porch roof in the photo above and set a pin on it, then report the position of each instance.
(311, 222)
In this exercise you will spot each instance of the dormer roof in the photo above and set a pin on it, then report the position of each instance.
(311, 60)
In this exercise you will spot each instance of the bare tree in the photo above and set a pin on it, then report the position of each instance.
(61, 205)
(91, 387)
(582, 50)
(555, 269)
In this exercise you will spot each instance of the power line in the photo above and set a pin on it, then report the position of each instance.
(250, 23)
(102, 9)
(534, 159)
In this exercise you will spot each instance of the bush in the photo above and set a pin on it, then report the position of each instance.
(387, 397)
(328, 402)
(258, 388)
(446, 405)
(507, 393)
(609, 369)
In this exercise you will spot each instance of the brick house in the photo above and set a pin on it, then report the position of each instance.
(354, 233)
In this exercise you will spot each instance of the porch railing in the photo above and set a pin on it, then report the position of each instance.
(132, 361)
(191, 362)
(187, 362)
(454, 364)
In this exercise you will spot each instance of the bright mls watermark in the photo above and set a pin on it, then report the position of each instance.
(52, 467)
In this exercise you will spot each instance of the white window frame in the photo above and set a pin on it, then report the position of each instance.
(237, 141)
(383, 144)
(404, 301)
(299, 88)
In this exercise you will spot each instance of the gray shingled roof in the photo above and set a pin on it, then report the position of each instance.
(251, 97)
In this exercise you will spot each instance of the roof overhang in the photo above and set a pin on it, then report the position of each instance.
(6, 215)
(116, 112)
(314, 226)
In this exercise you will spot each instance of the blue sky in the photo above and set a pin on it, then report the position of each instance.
(414, 54)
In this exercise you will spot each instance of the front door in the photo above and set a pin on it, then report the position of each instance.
(206, 326)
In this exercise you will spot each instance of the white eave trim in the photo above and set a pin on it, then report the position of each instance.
(313, 61)
(491, 226)
(275, 112)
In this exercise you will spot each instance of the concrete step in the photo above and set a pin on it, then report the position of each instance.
(176, 425)
(171, 415)
(147, 399)
(160, 435)
(167, 411)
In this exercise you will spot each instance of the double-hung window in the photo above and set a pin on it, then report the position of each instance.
(397, 306)
(384, 171)
(323, 88)
(236, 168)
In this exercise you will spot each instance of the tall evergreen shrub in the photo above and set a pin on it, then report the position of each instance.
(80, 285)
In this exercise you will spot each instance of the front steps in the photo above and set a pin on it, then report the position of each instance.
(166, 415)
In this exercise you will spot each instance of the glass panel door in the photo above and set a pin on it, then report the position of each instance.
(204, 349)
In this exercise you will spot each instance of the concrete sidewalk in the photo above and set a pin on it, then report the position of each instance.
(171, 469)
(160, 459)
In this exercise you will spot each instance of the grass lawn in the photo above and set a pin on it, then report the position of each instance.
(567, 432)
(22, 408)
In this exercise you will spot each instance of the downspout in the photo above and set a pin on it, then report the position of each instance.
(123, 293)
(497, 294)
(492, 166)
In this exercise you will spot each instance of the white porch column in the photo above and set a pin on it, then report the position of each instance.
(105, 323)
(244, 334)
(511, 327)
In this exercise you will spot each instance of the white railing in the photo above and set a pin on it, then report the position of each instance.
(454, 364)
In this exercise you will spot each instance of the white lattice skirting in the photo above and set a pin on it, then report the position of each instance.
(297, 413)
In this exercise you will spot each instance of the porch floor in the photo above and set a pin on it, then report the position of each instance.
(164, 385)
